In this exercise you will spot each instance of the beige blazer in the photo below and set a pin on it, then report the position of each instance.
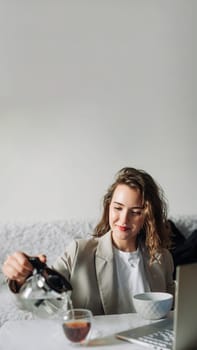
(89, 266)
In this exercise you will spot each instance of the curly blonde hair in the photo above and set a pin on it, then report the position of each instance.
(154, 233)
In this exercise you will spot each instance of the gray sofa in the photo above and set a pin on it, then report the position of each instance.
(50, 238)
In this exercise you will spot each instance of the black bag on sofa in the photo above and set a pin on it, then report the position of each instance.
(184, 251)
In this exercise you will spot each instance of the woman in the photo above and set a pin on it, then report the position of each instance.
(127, 254)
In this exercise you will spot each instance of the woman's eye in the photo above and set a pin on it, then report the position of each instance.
(117, 208)
(136, 213)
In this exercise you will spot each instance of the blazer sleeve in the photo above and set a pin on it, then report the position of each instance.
(64, 263)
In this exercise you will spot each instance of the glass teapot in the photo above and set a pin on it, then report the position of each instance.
(46, 293)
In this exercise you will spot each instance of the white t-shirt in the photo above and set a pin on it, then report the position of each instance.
(131, 278)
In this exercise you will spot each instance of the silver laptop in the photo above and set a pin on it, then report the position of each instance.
(179, 333)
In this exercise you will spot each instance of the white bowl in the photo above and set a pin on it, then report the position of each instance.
(153, 305)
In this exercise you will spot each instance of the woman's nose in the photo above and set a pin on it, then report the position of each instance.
(124, 217)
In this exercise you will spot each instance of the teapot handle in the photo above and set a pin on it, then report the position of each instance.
(54, 279)
(36, 263)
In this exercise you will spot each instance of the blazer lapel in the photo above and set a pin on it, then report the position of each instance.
(153, 272)
(106, 274)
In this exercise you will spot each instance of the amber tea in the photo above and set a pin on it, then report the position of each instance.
(76, 331)
(77, 324)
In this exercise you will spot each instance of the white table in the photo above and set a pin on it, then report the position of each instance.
(48, 334)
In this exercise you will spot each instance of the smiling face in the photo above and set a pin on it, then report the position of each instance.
(126, 217)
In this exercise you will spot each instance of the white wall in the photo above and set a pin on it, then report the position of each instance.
(87, 87)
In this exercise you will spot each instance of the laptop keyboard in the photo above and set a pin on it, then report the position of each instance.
(160, 339)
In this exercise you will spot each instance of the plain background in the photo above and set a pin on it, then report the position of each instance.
(88, 87)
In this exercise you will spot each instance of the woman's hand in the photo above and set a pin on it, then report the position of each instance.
(17, 267)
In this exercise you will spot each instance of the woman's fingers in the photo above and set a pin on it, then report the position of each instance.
(42, 258)
(17, 266)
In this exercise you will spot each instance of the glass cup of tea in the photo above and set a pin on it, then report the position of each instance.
(77, 325)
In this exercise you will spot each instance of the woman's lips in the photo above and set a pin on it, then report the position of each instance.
(123, 228)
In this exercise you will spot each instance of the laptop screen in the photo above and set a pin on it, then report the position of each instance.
(185, 314)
